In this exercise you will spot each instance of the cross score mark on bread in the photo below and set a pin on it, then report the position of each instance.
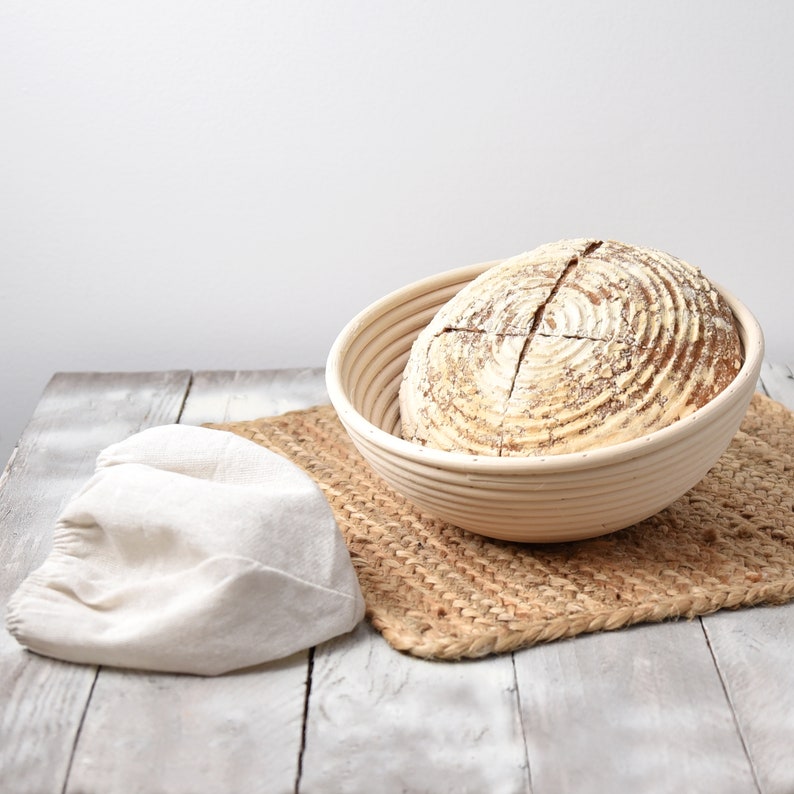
(574, 345)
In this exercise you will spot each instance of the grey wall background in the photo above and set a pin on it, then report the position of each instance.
(222, 185)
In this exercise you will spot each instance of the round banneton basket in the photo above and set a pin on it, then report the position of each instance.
(535, 499)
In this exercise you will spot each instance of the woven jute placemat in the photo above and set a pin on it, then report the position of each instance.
(437, 591)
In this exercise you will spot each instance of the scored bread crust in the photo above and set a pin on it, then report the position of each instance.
(576, 344)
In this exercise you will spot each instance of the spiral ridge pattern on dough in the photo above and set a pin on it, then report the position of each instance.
(577, 344)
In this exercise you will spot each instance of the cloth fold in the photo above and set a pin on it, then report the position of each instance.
(189, 550)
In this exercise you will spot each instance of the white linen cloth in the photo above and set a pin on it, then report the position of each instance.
(189, 550)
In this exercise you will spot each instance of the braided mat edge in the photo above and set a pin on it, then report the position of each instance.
(436, 591)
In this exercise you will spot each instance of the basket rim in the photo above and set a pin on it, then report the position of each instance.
(356, 424)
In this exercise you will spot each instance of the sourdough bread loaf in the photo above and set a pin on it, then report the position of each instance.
(574, 345)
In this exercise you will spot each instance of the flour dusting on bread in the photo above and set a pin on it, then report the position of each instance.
(574, 345)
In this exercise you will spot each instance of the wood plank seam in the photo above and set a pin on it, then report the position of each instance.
(305, 721)
(79, 731)
(185, 396)
(734, 715)
(517, 691)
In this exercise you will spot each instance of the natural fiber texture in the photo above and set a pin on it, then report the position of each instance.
(437, 591)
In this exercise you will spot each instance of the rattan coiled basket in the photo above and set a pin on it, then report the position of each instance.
(539, 499)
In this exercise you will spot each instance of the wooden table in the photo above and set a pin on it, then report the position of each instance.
(690, 706)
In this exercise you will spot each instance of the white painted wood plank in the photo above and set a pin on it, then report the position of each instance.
(646, 709)
(240, 732)
(754, 651)
(778, 381)
(380, 721)
(466, 701)
(680, 712)
(42, 700)
(235, 396)
(636, 710)
(147, 732)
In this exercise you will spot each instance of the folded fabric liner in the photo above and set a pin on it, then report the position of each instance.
(189, 550)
